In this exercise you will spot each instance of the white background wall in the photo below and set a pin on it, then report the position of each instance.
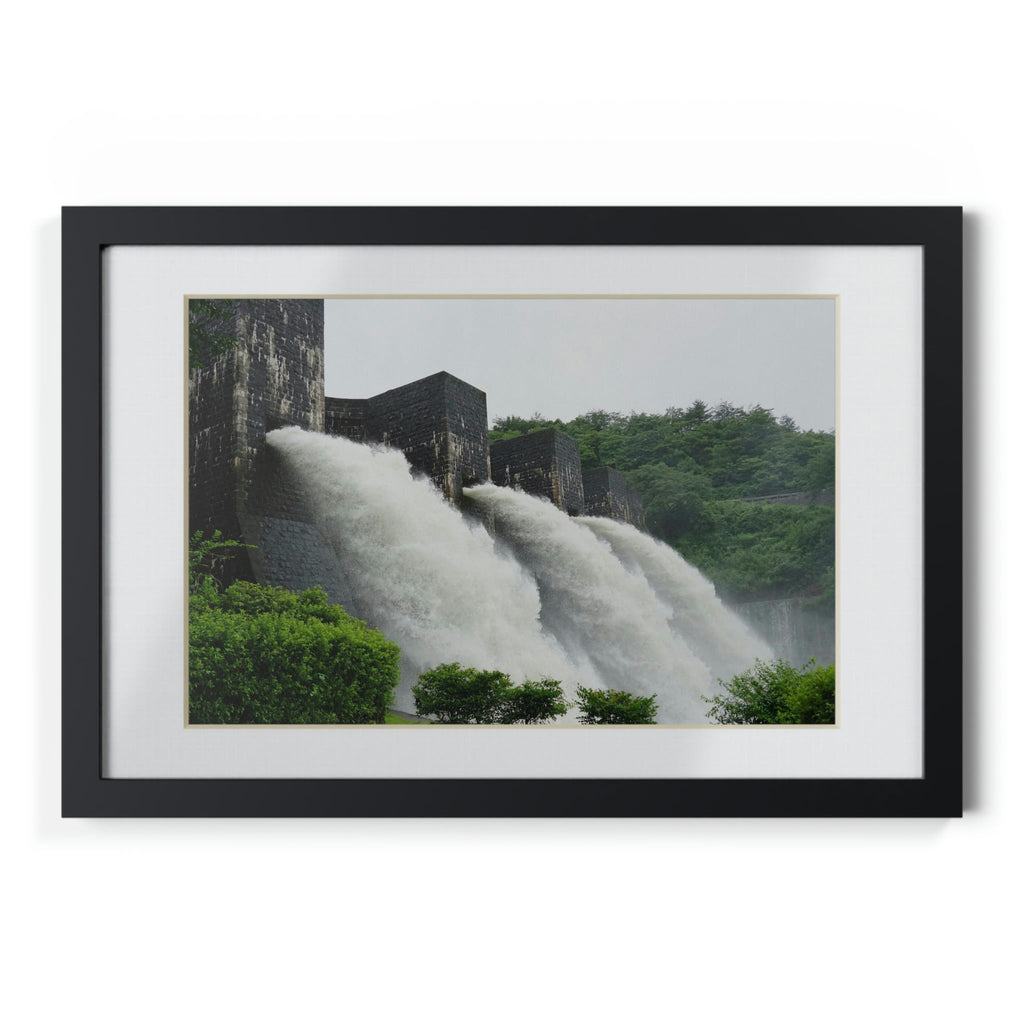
(532, 103)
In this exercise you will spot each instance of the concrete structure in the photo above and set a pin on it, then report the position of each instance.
(439, 423)
(545, 463)
(608, 494)
(273, 376)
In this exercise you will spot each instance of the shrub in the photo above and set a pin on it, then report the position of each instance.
(776, 693)
(532, 703)
(207, 557)
(812, 700)
(264, 655)
(454, 695)
(615, 707)
(459, 696)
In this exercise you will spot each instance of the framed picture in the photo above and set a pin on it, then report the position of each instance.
(512, 512)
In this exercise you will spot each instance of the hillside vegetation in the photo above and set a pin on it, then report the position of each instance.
(696, 470)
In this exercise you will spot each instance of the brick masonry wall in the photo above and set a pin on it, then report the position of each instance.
(608, 494)
(439, 423)
(273, 376)
(346, 417)
(289, 550)
(467, 458)
(545, 463)
(212, 449)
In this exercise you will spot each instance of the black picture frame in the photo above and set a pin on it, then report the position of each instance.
(86, 231)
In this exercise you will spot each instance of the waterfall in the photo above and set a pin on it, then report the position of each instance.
(798, 628)
(583, 601)
(716, 634)
(432, 581)
(596, 608)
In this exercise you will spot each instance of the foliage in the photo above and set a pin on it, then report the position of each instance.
(265, 655)
(675, 497)
(532, 703)
(696, 470)
(812, 701)
(615, 707)
(209, 330)
(753, 550)
(206, 557)
(455, 695)
(776, 693)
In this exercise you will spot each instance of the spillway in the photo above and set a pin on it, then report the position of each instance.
(535, 594)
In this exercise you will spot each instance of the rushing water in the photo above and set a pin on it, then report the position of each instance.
(585, 601)
(717, 635)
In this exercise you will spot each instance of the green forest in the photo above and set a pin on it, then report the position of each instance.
(697, 471)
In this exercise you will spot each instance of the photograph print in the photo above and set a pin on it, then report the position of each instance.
(511, 511)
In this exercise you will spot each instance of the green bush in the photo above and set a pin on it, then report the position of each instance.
(776, 693)
(207, 557)
(532, 703)
(263, 655)
(615, 707)
(454, 695)
(812, 700)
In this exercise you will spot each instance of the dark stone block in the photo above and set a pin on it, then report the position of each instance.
(439, 423)
(608, 494)
(274, 376)
(545, 463)
(346, 417)
(271, 377)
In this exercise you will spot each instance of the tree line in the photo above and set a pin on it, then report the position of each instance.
(697, 469)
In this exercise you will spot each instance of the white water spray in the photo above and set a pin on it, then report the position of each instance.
(717, 635)
(597, 608)
(586, 601)
(430, 580)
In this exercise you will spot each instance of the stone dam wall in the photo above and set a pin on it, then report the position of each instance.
(797, 628)
(273, 376)
(439, 423)
(609, 495)
(545, 463)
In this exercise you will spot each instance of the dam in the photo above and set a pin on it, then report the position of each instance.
(504, 555)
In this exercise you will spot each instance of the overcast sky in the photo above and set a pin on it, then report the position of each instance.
(564, 357)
